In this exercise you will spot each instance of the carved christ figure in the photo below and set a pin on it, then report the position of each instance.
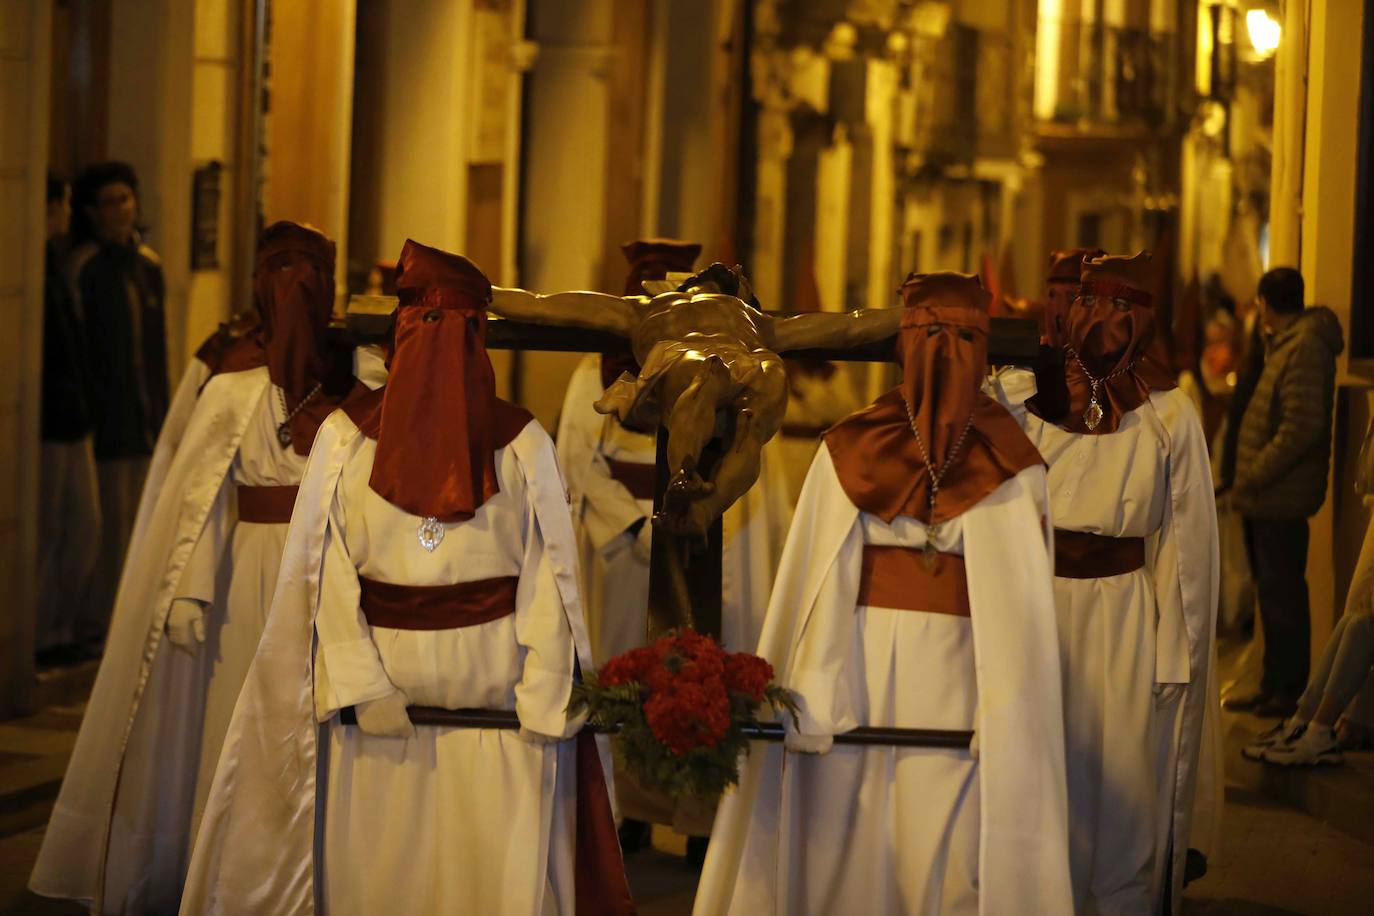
(710, 367)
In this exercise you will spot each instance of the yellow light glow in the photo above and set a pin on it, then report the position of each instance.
(1051, 14)
(1205, 42)
(1264, 30)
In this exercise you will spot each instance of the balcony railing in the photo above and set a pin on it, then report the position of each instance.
(965, 97)
(1091, 75)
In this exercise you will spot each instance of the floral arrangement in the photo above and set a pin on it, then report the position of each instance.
(678, 710)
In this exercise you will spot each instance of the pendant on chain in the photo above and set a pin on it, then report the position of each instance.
(284, 435)
(431, 533)
(1093, 415)
(930, 554)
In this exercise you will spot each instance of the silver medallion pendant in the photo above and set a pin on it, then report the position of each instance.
(930, 554)
(431, 533)
(284, 435)
(1093, 415)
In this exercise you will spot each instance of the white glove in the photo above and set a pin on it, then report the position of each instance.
(973, 745)
(1166, 694)
(386, 716)
(186, 624)
(798, 743)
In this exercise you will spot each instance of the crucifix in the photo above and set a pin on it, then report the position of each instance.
(712, 386)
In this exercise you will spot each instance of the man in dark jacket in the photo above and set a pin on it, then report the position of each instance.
(69, 516)
(1282, 457)
(117, 284)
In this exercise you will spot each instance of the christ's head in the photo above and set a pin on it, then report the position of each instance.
(721, 279)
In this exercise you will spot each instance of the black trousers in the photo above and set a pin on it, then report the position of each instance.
(1278, 563)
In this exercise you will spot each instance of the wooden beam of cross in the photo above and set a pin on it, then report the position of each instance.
(684, 577)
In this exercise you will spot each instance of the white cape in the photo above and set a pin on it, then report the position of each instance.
(145, 697)
(1187, 586)
(256, 850)
(1023, 844)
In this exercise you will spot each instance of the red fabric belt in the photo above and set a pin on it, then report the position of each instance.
(1082, 555)
(266, 505)
(638, 478)
(437, 607)
(897, 577)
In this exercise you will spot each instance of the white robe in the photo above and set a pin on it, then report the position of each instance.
(1132, 757)
(452, 820)
(883, 829)
(119, 836)
(615, 570)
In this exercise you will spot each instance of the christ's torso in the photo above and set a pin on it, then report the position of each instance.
(678, 316)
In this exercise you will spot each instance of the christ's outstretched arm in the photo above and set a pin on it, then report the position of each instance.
(834, 329)
(592, 311)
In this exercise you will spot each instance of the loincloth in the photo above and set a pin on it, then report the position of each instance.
(634, 400)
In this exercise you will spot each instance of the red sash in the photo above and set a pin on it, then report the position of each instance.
(1082, 555)
(266, 505)
(897, 577)
(437, 607)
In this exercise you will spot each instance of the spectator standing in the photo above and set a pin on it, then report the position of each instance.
(70, 518)
(117, 284)
(1344, 675)
(1282, 455)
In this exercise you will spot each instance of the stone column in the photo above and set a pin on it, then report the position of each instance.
(25, 47)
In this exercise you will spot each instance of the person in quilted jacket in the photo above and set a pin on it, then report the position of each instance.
(1282, 457)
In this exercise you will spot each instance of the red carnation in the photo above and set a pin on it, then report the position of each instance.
(748, 674)
(633, 665)
(689, 715)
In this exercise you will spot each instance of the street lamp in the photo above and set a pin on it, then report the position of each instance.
(1265, 32)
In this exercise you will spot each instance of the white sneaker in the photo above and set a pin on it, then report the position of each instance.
(1316, 746)
(1286, 732)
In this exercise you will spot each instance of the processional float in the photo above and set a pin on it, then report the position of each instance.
(708, 347)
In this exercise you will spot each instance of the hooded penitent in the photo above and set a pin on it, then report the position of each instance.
(649, 259)
(1061, 289)
(938, 415)
(293, 287)
(438, 422)
(1110, 367)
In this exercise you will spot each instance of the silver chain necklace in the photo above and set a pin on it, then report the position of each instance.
(1093, 415)
(929, 553)
(284, 427)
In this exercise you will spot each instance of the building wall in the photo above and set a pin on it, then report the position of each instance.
(309, 121)
(216, 118)
(25, 43)
(1325, 235)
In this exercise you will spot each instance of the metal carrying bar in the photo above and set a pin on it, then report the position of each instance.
(762, 731)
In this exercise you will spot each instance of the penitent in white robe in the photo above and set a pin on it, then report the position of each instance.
(905, 830)
(1133, 745)
(451, 820)
(121, 829)
(615, 566)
